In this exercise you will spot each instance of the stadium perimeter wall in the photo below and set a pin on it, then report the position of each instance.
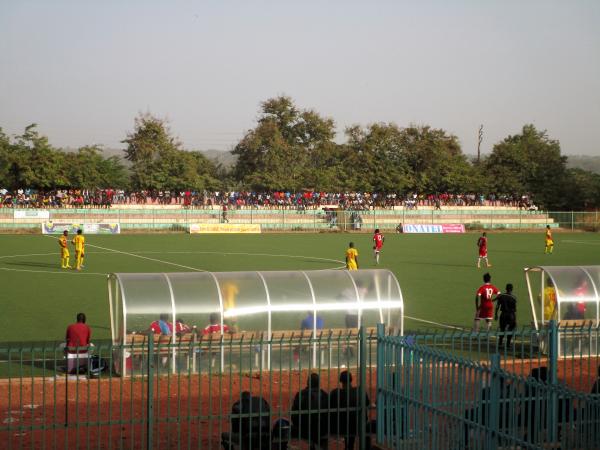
(323, 219)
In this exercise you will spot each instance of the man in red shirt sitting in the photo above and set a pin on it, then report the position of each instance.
(215, 325)
(78, 338)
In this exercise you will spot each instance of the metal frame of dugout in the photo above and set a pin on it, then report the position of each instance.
(570, 296)
(265, 301)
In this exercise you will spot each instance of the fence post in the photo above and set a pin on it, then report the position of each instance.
(494, 403)
(150, 393)
(380, 383)
(363, 412)
(572, 221)
(553, 372)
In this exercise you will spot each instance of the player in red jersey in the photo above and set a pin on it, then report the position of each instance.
(378, 239)
(482, 244)
(215, 326)
(484, 307)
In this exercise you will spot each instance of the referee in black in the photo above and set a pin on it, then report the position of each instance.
(507, 304)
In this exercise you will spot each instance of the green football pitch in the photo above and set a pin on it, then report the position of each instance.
(437, 273)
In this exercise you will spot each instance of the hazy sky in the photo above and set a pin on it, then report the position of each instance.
(83, 70)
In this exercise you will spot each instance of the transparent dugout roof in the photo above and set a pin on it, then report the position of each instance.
(251, 301)
(564, 292)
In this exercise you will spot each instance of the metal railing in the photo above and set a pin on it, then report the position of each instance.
(431, 390)
(186, 396)
(311, 219)
(429, 397)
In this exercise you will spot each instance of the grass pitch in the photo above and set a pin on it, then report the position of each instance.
(437, 273)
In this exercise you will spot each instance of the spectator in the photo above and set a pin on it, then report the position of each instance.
(596, 386)
(78, 337)
(309, 419)
(347, 418)
(252, 431)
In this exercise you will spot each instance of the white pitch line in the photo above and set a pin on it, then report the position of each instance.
(580, 242)
(434, 323)
(70, 272)
(146, 257)
(142, 257)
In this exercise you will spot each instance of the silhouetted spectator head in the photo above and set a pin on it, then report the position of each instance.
(540, 374)
(81, 318)
(313, 381)
(509, 287)
(214, 318)
(346, 378)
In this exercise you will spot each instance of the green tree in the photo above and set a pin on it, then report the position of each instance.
(159, 162)
(35, 163)
(285, 146)
(88, 169)
(529, 162)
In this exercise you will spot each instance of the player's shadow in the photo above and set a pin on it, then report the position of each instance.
(31, 264)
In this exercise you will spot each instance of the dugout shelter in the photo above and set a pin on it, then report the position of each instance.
(265, 301)
(569, 295)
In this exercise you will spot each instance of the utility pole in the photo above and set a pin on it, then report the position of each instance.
(480, 138)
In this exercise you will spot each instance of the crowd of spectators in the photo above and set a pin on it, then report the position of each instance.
(307, 199)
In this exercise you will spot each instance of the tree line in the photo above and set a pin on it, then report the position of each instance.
(295, 149)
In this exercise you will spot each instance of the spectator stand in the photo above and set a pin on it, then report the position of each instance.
(570, 296)
(265, 304)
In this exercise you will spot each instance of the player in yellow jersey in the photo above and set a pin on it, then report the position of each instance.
(230, 290)
(79, 243)
(351, 257)
(550, 310)
(549, 241)
(64, 250)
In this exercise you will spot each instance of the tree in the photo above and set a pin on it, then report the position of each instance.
(529, 162)
(158, 162)
(35, 163)
(284, 147)
(88, 169)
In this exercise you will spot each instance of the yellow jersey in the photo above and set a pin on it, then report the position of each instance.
(230, 291)
(549, 239)
(351, 255)
(79, 242)
(62, 243)
(549, 303)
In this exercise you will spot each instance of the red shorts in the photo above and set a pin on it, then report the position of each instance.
(485, 311)
(377, 248)
(483, 252)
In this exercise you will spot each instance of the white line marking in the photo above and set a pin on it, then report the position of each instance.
(581, 242)
(434, 323)
(66, 272)
(149, 259)
(141, 257)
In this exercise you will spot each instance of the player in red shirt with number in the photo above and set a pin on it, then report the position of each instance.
(484, 307)
(378, 239)
(482, 244)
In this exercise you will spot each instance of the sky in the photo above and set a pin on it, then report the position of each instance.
(83, 70)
